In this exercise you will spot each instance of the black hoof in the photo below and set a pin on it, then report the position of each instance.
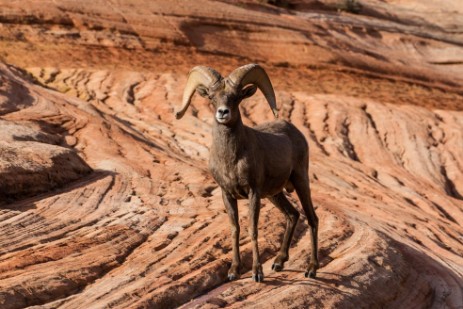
(258, 277)
(310, 274)
(277, 267)
(232, 277)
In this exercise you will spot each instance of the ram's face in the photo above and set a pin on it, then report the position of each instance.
(226, 102)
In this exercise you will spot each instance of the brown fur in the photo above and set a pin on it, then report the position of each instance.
(257, 163)
(254, 163)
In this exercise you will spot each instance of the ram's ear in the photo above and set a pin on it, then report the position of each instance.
(248, 91)
(202, 91)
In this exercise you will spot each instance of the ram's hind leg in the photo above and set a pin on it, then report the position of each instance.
(292, 215)
(254, 209)
(302, 186)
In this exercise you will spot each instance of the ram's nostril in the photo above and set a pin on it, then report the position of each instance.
(223, 111)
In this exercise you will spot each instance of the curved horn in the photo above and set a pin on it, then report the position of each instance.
(198, 76)
(255, 74)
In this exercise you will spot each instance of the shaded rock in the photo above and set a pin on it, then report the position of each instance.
(30, 168)
(378, 96)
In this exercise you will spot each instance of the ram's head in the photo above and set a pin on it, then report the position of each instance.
(227, 93)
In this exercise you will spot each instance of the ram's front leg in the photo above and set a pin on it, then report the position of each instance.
(232, 211)
(254, 209)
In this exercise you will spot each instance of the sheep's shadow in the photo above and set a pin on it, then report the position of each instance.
(278, 279)
(333, 282)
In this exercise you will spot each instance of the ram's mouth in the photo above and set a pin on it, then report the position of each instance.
(222, 120)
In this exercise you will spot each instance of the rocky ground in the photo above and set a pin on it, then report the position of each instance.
(105, 198)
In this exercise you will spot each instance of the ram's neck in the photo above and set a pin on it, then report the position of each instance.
(228, 141)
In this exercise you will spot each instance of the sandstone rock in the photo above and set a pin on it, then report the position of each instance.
(378, 96)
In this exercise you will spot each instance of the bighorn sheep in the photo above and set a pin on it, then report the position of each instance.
(254, 163)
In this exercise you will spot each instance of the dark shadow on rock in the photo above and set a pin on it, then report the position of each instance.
(25, 203)
(13, 95)
(18, 182)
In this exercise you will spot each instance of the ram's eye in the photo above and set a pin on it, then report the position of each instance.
(248, 91)
(202, 91)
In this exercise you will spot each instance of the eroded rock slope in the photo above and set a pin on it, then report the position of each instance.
(116, 208)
